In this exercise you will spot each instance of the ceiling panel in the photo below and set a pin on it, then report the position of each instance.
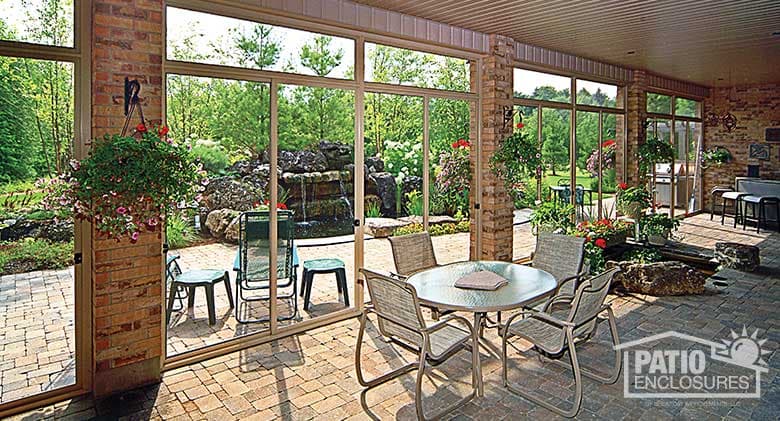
(714, 43)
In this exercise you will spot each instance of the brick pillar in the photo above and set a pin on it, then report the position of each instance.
(636, 114)
(496, 204)
(127, 278)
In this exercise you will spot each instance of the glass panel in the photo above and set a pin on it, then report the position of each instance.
(555, 155)
(37, 302)
(657, 103)
(316, 157)
(227, 123)
(598, 94)
(660, 178)
(610, 143)
(683, 181)
(38, 22)
(253, 45)
(394, 169)
(545, 86)
(588, 165)
(525, 196)
(450, 178)
(694, 165)
(400, 66)
(687, 107)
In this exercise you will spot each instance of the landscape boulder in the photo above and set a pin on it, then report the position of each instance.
(302, 161)
(737, 256)
(220, 221)
(383, 183)
(337, 155)
(227, 193)
(374, 164)
(659, 278)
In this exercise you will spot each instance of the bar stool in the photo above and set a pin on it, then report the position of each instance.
(762, 202)
(717, 191)
(733, 196)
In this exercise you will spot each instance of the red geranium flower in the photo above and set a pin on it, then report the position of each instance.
(622, 186)
(607, 143)
(141, 128)
(601, 243)
(163, 131)
(520, 125)
(281, 206)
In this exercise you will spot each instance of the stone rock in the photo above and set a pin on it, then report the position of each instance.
(232, 230)
(738, 256)
(57, 231)
(383, 227)
(220, 220)
(659, 278)
(48, 229)
(374, 164)
(226, 193)
(384, 185)
(302, 161)
(337, 155)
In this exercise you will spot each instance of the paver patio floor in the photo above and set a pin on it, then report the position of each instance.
(312, 375)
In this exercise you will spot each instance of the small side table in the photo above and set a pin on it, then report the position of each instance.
(323, 266)
(192, 279)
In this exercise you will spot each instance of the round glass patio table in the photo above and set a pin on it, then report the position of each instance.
(436, 287)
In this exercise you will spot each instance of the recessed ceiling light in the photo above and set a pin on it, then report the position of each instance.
(720, 78)
(632, 52)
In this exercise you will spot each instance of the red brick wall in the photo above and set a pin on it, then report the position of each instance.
(127, 288)
(636, 113)
(756, 108)
(496, 204)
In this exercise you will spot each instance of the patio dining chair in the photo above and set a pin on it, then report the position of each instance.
(172, 270)
(254, 262)
(396, 306)
(414, 253)
(561, 256)
(553, 337)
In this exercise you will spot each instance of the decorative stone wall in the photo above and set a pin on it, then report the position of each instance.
(756, 108)
(127, 278)
(496, 204)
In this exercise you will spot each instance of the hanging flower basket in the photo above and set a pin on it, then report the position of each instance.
(127, 184)
(517, 158)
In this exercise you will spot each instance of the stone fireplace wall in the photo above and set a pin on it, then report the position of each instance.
(756, 108)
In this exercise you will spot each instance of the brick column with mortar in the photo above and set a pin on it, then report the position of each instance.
(127, 278)
(636, 114)
(496, 205)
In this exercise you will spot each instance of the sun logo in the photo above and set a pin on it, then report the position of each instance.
(744, 349)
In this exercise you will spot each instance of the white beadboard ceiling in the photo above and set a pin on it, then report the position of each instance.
(709, 42)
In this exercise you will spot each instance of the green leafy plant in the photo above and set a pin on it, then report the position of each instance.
(414, 203)
(632, 201)
(594, 253)
(453, 177)
(642, 255)
(179, 232)
(658, 224)
(128, 184)
(213, 157)
(434, 230)
(517, 158)
(716, 156)
(551, 217)
(653, 151)
(373, 210)
(34, 254)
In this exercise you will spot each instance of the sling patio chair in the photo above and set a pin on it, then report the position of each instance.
(414, 253)
(399, 317)
(172, 270)
(553, 337)
(254, 250)
(562, 257)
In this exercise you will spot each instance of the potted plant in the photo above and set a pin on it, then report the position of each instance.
(658, 227)
(716, 156)
(128, 184)
(653, 151)
(549, 217)
(517, 158)
(632, 201)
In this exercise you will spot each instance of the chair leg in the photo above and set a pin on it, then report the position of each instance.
(191, 297)
(575, 366)
(722, 210)
(171, 301)
(761, 217)
(303, 283)
(358, 369)
(308, 280)
(210, 303)
(341, 279)
(227, 289)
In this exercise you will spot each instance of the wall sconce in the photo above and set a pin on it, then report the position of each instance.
(728, 120)
(509, 114)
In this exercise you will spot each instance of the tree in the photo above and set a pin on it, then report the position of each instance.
(16, 125)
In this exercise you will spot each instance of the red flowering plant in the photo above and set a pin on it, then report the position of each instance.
(517, 158)
(597, 236)
(453, 178)
(607, 158)
(128, 184)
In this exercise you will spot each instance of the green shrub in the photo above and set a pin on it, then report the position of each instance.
(551, 216)
(213, 157)
(414, 203)
(434, 230)
(373, 210)
(179, 231)
(642, 255)
(32, 254)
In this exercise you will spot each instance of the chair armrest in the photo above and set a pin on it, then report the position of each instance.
(552, 320)
(444, 322)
